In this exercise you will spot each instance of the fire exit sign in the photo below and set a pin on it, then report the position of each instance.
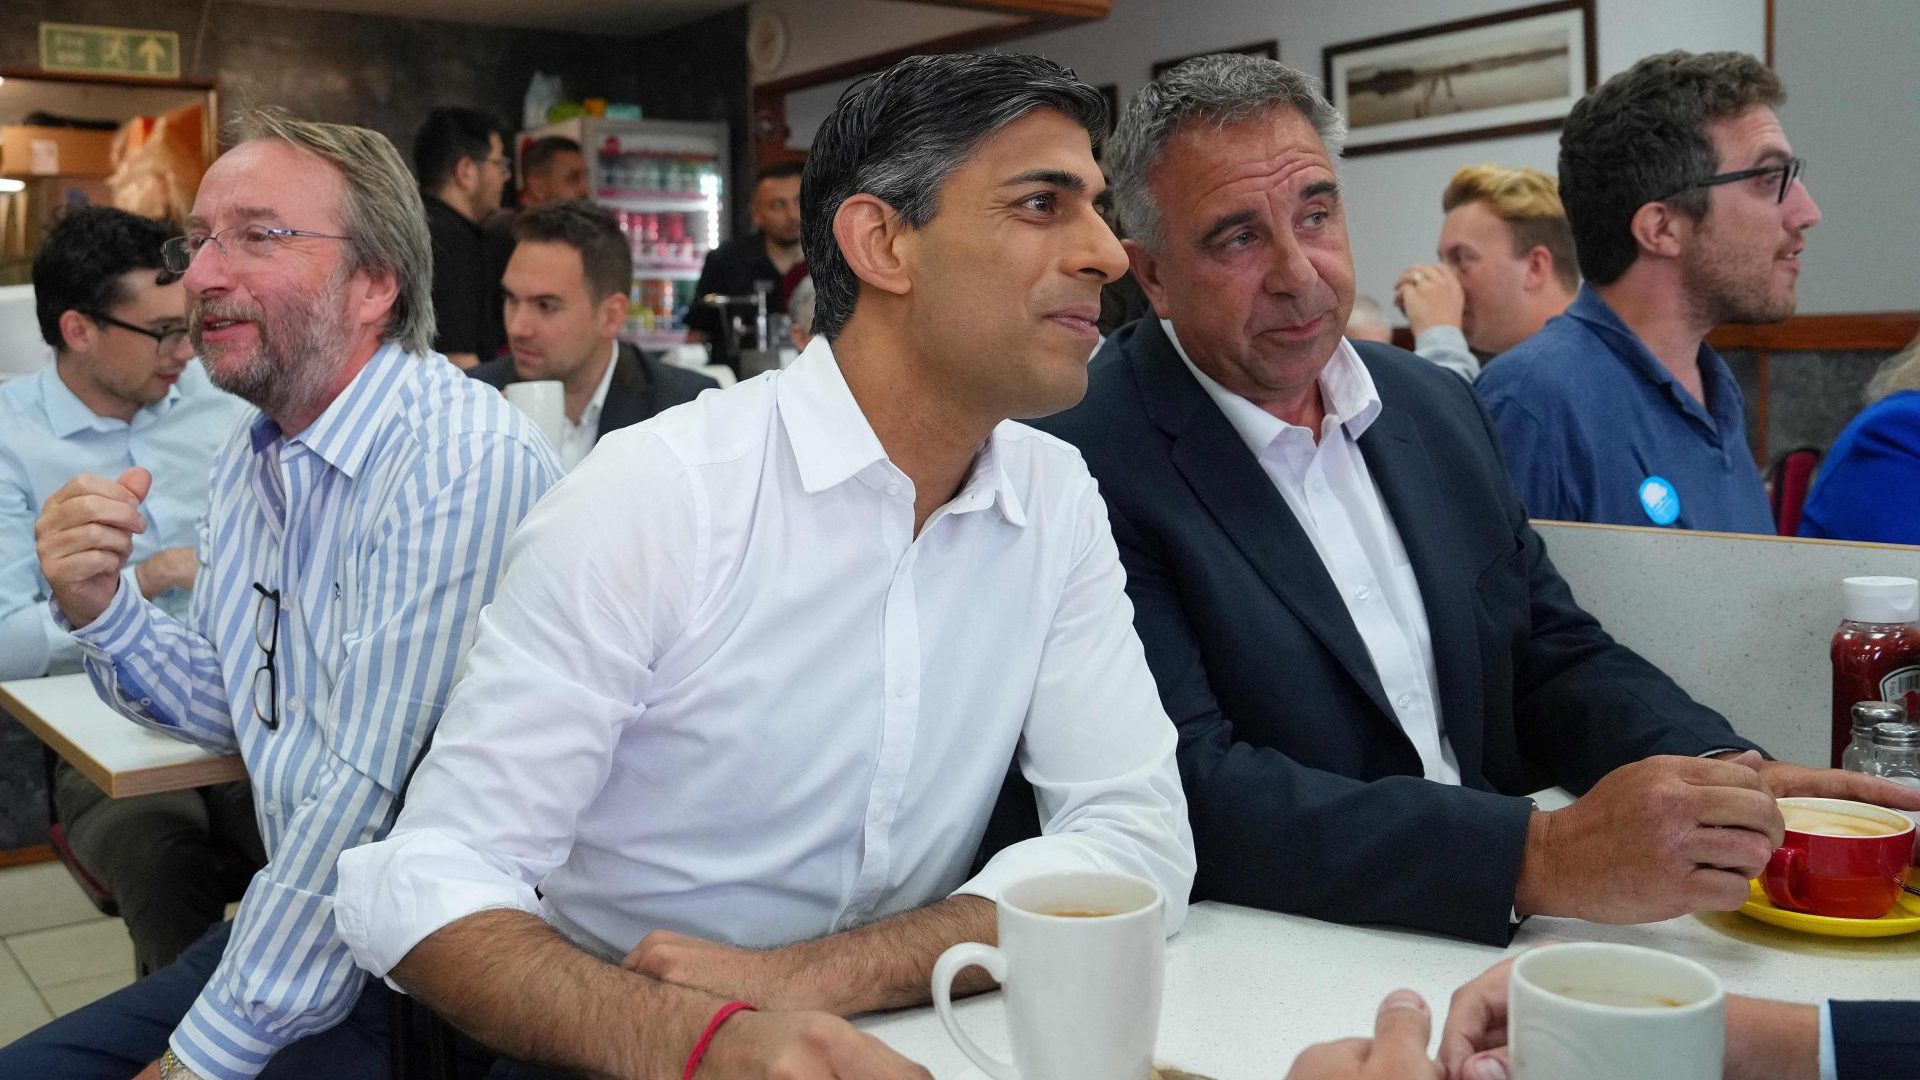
(110, 50)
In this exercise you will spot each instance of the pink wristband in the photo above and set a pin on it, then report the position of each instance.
(706, 1037)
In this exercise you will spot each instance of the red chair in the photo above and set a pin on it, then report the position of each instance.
(1787, 485)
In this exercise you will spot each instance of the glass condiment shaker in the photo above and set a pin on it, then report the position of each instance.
(1868, 715)
(1896, 753)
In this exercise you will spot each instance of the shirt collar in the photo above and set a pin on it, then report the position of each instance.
(68, 415)
(832, 441)
(1345, 384)
(590, 416)
(344, 434)
(1596, 313)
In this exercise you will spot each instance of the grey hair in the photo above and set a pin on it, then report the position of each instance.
(1900, 372)
(1216, 90)
(380, 212)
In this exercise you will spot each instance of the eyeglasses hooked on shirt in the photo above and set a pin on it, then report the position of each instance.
(252, 241)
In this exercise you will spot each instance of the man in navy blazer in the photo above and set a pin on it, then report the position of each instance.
(1370, 657)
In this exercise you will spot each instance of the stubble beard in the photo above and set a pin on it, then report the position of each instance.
(1727, 287)
(296, 355)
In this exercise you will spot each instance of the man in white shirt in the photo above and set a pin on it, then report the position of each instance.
(566, 300)
(1371, 658)
(757, 669)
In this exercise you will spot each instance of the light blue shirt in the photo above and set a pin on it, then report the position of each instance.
(382, 525)
(48, 437)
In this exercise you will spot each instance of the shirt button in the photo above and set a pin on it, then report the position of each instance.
(1362, 593)
(271, 809)
(1404, 700)
(294, 707)
(893, 489)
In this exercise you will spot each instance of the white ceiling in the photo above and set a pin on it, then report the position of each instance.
(587, 16)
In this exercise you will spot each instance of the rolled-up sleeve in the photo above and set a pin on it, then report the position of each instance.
(561, 661)
(1097, 745)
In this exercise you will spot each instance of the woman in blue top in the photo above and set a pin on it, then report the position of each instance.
(1869, 487)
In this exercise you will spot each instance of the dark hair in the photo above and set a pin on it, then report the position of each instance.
(543, 150)
(1641, 137)
(81, 261)
(589, 229)
(899, 134)
(450, 134)
(779, 170)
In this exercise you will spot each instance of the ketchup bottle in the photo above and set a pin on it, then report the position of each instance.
(1876, 651)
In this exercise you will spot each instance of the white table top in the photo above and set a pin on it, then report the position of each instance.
(1247, 990)
(119, 755)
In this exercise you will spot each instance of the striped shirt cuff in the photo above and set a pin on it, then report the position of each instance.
(220, 1045)
(123, 623)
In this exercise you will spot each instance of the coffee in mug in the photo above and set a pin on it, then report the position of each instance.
(1080, 964)
(1811, 819)
(1840, 859)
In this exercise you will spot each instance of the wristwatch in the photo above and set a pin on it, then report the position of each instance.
(171, 1068)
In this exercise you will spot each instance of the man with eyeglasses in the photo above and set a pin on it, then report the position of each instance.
(355, 526)
(1687, 212)
(123, 391)
(460, 157)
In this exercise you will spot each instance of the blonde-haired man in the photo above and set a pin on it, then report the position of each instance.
(1506, 266)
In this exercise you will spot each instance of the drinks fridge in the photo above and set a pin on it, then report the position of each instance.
(666, 183)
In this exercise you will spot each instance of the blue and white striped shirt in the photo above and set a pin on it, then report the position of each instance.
(382, 526)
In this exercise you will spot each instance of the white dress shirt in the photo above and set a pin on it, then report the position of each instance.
(1331, 493)
(577, 439)
(725, 690)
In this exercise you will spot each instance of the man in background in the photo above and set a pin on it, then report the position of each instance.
(1506, 267)
(1368, 322)
(459, 156)
(1687, 212)
(566, 299)
(123, 390)
(552, 169)
(762, 257)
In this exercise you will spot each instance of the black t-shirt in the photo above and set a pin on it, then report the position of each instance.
(467, 264)
(731, 270)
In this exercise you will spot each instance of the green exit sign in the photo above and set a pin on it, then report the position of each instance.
(110, 50)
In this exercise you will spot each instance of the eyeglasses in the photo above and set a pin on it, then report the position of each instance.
(254, 241)
(266, 634)
(165, 341)
(1790, 170)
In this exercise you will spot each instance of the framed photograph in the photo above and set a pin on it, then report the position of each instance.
(1268, 49)
(1508, 73)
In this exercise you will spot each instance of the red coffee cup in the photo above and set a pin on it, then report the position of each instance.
(1841, 859)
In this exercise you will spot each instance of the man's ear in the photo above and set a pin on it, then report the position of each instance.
(1146, 272)
(870, 237)
(1661, 230)
(379, 294)
(466, 174)
(78, 331)
(612, 314)
(1539, 267)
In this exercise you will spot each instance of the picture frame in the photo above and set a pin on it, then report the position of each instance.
(1508, 73)
(1268, 49)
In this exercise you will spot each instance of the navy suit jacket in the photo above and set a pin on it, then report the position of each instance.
(1876, 1039)
(641, 387)
(1305, 794)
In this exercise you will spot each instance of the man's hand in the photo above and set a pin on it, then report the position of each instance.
(1397, 1051)
(151, 1072)
(770, 978)
(1473, 1044)
(1784, 779)
(1430, 295)
(170, 568)
(85, 537)
(801, 1046)
(1653, 840)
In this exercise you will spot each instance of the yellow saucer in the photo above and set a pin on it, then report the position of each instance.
(1903, 919)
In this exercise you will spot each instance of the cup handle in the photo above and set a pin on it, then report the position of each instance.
(1786, 878)
(951, 963)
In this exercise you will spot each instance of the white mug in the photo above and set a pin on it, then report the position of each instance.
(1082, 991)
(1598, 1011)
(545, 403)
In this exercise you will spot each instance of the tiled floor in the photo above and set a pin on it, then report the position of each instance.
(59, 952)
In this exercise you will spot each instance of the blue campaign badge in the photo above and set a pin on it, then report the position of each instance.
(1659, 500)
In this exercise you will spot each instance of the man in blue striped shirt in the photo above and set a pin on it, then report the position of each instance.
(354, 532)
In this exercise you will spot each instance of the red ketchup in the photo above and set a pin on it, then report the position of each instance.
(1876, 651)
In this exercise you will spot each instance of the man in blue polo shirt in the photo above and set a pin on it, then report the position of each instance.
(1687, 213)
